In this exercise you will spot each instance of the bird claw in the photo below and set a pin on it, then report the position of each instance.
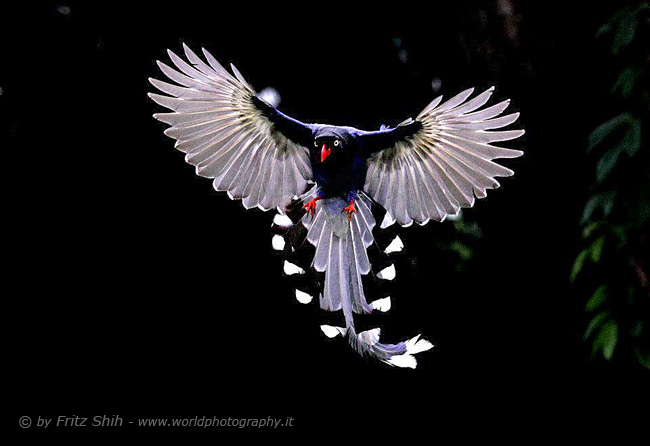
(351, 210)
(311, 205)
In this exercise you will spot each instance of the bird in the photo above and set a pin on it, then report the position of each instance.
(424, 168)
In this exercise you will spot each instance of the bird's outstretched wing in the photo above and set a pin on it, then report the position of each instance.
(246, 146)
(432, 166)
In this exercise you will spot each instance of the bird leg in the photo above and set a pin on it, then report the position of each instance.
(350, 209)
(311, 205)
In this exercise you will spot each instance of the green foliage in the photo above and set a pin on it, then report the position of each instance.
(603, 201)
(606, 339)
(630, 142)
(578, 264)
(466, 234)
(616, 219)
(593, 253)
(596, 249)
(595, 323)
(623, 26)
(464, 251)
(605, 129)
(626, 81)
(597, 299)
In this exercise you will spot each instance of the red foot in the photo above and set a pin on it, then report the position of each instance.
(350, 210)
(311, 205)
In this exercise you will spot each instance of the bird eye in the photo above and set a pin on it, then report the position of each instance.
(336, 143)
(315, 143)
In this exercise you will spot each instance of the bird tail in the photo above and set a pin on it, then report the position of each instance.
(341, 253)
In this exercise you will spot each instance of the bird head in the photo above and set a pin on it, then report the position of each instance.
(327, 147)
(328, 144)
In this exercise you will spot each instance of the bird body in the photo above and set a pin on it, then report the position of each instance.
(422, 169)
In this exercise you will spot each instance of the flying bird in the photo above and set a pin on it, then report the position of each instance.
(423, 169)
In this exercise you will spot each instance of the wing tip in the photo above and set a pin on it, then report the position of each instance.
(162, 65)
(206, 53)
(154, 97)
(514, 116)
(155, 82)
(158, 99)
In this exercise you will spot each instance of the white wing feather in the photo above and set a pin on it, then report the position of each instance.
(226, 137)
(446, 164)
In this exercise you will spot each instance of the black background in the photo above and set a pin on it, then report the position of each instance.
(137, 289)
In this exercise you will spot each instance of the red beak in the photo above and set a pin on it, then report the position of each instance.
(324, 153)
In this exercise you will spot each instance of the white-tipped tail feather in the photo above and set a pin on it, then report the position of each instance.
(413, 346)
(291, 269)
(302, 297)
(395, 246)
(331, 331)
(382, 305)
(277, 242)
(282, 220)
(387, 273)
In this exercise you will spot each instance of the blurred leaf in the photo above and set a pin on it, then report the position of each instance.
(625, 31)
(626, 81)
(470, 228)
(590, 207)
(606, 128)
(597, 299)
(606, 339)
(578, 264)
(589, 230)
(464, 251)
(602, 200)
(644, 360)
(608, 202)
(595, 322)
(632, 140)
(630, 143)
(596, 249)
(607, 162)
(605, 29)
(621, 235)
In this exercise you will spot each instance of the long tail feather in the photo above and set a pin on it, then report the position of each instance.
(341, 252)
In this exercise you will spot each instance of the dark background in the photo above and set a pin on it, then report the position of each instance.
(135, 288)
